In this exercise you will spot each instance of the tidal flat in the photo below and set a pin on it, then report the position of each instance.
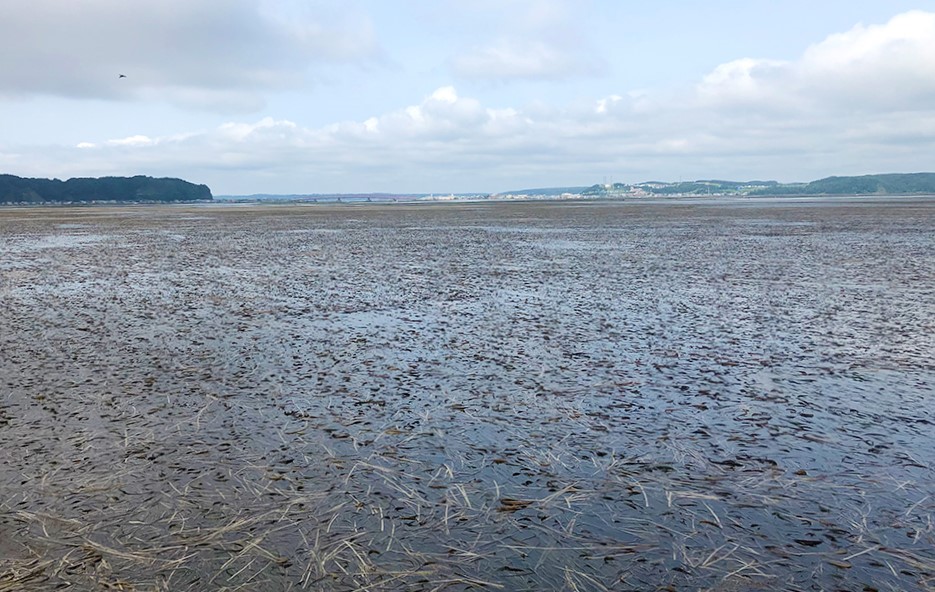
(681, 395)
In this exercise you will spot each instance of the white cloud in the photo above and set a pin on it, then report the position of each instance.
(744, 79)
(210, 54)
(526, 40)
(903, 43)
(445, 94)
(607, 102)
(132, 141)
(510, 59)
(879, 67)
(265, 128)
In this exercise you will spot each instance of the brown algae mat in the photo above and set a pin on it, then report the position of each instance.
(723, 395)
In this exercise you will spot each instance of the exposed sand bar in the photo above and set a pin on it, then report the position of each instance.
(502, 396)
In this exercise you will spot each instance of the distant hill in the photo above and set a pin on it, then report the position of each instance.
(889, 184)
(108, 189)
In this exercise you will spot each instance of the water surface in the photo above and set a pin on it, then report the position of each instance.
(722, 395)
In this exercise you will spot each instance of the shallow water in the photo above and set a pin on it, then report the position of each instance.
(722, 395)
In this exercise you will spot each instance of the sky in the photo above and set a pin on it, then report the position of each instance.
(439, 96)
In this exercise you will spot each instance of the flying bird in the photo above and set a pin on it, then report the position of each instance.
(122, 76)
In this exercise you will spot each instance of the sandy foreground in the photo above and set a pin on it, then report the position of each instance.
(725, 395)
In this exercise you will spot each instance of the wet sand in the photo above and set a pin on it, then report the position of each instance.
(712, 395)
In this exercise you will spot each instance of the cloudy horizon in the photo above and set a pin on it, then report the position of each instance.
(256, 96)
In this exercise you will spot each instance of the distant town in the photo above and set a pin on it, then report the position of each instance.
(888, 184)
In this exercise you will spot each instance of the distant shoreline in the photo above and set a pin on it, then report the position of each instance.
(653, 200)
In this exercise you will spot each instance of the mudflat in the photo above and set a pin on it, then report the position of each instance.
(724, 395)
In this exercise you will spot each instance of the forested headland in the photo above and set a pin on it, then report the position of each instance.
(140, 188)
